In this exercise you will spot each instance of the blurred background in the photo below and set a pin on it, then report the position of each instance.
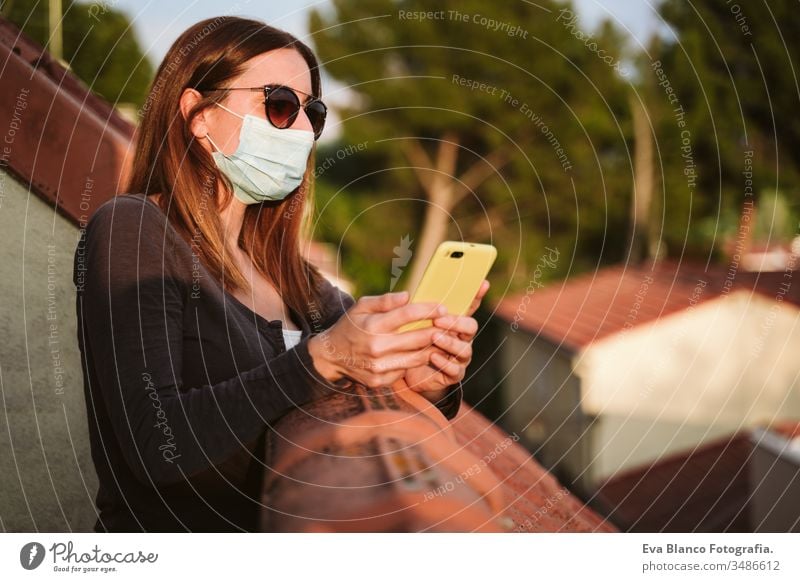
(636, 164)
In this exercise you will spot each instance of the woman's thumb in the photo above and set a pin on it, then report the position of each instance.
(395, 299)
(385, 302)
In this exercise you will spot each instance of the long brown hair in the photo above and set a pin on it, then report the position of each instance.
(170, 162)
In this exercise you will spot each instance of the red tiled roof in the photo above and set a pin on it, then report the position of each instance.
(381, 460)
(71, 144)
(533, 499)
(788, 429)
(593, 306)
(702, 490)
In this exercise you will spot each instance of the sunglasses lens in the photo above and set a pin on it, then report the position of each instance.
(316, 112)
(282, 107)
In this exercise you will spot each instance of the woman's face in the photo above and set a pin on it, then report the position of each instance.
(281, 67)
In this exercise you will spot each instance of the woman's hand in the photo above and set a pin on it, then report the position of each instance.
(473, 307)
(448, 363)
(363, 344)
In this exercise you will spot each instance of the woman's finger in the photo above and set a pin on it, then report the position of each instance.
(457, 325)
(414, 339)
(450, 368)
(460, 349)
(473, 307)
(380, 303)
(389, 321)
(407, 341)
(401, 360)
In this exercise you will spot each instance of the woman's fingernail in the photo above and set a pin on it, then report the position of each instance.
(441, 310)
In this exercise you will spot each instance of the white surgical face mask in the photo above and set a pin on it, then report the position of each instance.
(269, 163)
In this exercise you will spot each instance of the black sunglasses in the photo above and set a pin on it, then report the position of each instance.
(282, 105)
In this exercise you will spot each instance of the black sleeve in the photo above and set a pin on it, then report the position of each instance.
(339, 301)
(336, 303)
(131, 306)
(451, 401)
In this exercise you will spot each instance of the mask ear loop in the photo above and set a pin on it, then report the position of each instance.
(216, 147)
(209, 137)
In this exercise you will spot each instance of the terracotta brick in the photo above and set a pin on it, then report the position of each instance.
(375, 460)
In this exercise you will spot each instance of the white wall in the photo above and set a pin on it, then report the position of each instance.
(725, 364)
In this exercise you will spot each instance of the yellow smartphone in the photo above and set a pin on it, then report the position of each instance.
(453, 277)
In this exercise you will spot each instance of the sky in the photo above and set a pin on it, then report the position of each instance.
(158, 22)
(637, 17)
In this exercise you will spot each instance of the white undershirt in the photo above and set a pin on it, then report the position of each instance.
(291, 337)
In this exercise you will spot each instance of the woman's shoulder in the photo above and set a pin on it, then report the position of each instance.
(130, 221)
(129, 215)
(127, 235)
(121, 205)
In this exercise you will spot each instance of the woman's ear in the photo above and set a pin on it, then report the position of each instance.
(189, 98)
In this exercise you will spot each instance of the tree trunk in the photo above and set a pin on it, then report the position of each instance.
(437, 183)
(641, 201)
(434, 231)
(443, 190)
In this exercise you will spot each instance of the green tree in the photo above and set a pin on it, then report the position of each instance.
(733, 68)
(99, 45)
(504, 120)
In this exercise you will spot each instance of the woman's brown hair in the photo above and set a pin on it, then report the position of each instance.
(170, 162)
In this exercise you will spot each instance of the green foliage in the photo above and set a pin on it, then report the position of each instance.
(545, 88)
(99, 46)
(739, 89)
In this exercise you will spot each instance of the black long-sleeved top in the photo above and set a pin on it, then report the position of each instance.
(181, 379)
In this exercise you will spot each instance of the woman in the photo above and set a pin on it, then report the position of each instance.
(200, 323)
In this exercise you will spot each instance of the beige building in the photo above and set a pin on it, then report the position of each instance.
(625, 366)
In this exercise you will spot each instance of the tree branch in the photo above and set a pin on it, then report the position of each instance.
(478, 173)
(422, 163)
